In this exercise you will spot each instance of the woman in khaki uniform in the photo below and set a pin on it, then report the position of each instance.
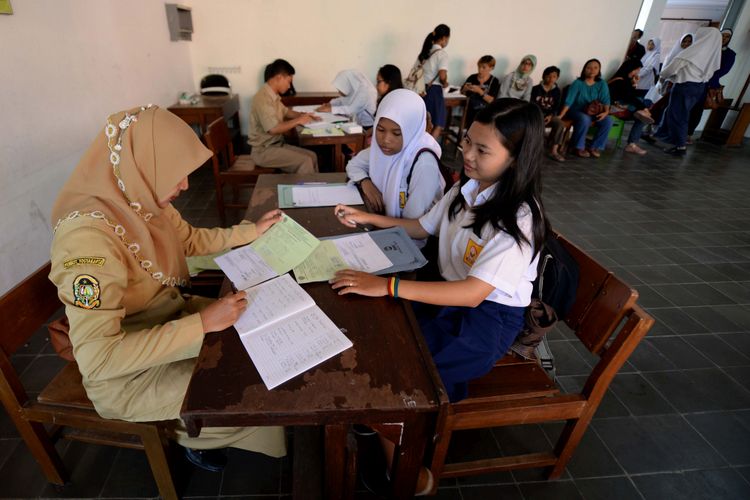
(118, 254)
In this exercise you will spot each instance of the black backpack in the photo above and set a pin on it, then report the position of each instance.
(557, 277)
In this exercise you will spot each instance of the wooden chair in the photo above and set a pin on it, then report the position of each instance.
(454, 132)
(607, 321)
(230, 169)
(63, 406)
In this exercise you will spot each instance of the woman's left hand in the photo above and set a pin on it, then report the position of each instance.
(601, 116)
(267, 220)
(349, 281)
(325, 108)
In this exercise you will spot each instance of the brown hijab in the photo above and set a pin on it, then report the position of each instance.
(140, 157)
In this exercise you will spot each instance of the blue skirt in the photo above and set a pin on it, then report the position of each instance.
(435, 104)
(465, 342)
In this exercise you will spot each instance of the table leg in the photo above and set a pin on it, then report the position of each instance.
(335, 462)
(339, 160)
(409, 456)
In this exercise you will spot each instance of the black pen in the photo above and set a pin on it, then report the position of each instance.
(341, 215)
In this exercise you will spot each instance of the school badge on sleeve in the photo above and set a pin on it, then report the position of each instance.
(472, 252)
(86, 291)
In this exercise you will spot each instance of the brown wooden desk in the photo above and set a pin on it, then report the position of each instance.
(209, 109)
(308, 98)
(386, 377)
(455, 101)
(356, 143)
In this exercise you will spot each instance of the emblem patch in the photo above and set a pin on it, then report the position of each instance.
(86, 291)
(402, 199)
(82, 261)
(473, 249)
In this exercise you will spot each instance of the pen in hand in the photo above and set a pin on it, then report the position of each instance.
(356, 224)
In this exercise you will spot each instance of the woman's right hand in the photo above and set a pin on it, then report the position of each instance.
(373, 196)
(348, 216)
(224, 312)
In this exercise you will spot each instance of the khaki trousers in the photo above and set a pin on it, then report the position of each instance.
(289, 159)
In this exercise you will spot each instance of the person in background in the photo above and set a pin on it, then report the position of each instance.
(688, 71)
(270, 120)
(518, 83)
(651, 64)
(135, 336)
(481, 88)
(399, 173)
(686, 41)
(434, 61)
(627, 105)
(727, 61)
(387, 80)
(588, 102)
(358, 97)
(548, 97)
(635, 49)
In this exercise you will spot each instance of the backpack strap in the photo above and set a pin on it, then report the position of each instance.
(444, 171)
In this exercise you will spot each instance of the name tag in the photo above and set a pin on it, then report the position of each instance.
(402, 199)
(471, 254)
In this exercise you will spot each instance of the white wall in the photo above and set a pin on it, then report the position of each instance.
(65, 67)
(712, 10)
(321, 37)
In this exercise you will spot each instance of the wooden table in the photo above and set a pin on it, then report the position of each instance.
(387, 377)
(209, 109)
(356, 143)
(455, 101)
(308, 98)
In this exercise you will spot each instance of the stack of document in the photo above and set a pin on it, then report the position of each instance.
(282, 330)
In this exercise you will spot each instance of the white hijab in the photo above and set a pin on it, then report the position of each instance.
(676, 49)
(359, 93)
(651, 58)
(705, 52)
(407, 109)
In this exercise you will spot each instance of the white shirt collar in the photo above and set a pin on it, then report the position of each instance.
(436, 46)
(470, 190)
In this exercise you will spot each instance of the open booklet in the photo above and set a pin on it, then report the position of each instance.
(284, 332)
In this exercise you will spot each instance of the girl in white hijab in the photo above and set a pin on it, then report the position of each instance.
(359, 97)
(399, 172)
(685, 41)
(688, 71)
(650, 61)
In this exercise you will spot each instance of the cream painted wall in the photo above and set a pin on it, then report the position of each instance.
(321, 37)
(65, 67)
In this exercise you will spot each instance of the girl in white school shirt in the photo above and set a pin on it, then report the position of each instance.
(490, 226)
(399, 172)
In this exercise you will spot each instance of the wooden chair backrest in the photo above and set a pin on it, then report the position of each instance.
(219, 141)
(602, 300)
(27, 307)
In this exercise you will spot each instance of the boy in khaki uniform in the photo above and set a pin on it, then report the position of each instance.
(270, 119)
(118, 255)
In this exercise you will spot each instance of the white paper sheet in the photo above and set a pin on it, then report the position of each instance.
(244, 267)
(271, 301)
(362, 253)
(326, 196)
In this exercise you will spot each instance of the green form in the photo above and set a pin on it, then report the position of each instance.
(321, 265)
(285, 245)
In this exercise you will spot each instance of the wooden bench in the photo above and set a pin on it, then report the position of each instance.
(63, 406)
(607, 321)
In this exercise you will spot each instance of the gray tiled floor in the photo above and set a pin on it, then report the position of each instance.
(676, 422)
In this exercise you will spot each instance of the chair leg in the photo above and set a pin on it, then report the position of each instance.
(567, 443)
(440, 451)
(220, 203)
(41, 447)
(154, 446)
